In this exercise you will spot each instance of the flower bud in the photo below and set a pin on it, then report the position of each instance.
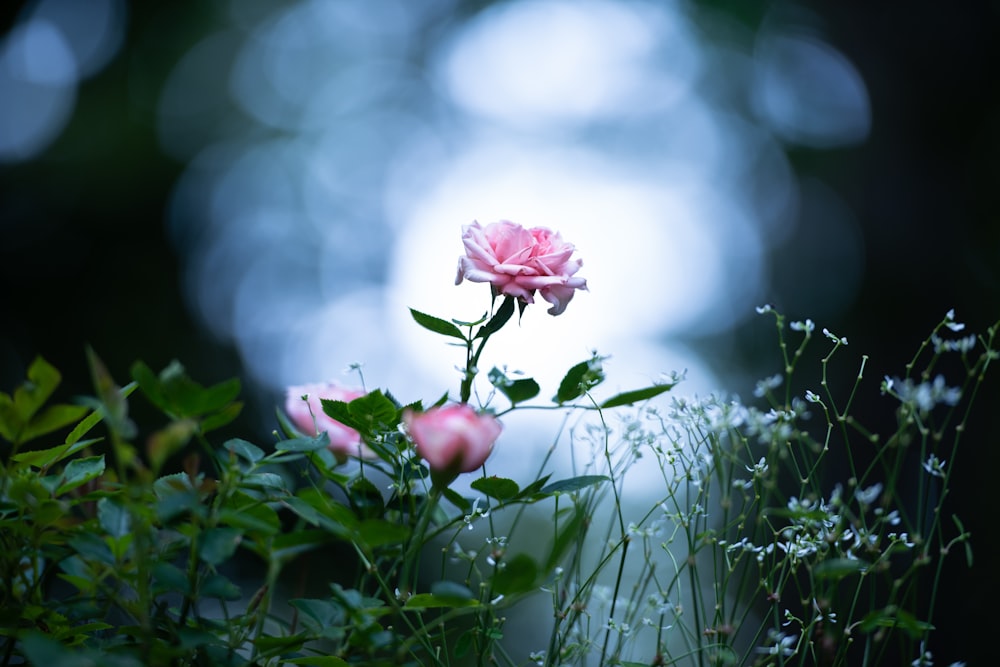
(452, 439)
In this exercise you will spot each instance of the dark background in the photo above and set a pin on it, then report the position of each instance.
(84, 258)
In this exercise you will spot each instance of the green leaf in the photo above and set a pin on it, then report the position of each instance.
(518, 575)
(114, 519)
(580, 379)
(51, 419)
(222, 417)
(500, 488)
(265, 480)
(534, 490)
(170, 578)
(499, 319)
(221, 588)
(43, 378)
(303, 444)
(374, 412)
(516, 391)
(217, 545)
(176, 394)
(246, 513)
(637, 395)
(838, 568)
(436, 324)
(318, 613)
(574, 484)
(41, 650)
(457, 499)
(379, 532)
(291, 544)
(44, 458)
(365, 498)
(90, 422)
(79, 472)
(244, 449)
(17, 411)
(168, 441)
(451, 589)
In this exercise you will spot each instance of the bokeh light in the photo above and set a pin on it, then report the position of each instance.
(348, 147)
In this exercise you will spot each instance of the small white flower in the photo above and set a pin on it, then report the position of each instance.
(808, 326)
(812, 398)
(766, 308)
(925, 659)
(950, 321)
(833, 337)
(934, 466)
(870, 495)
(759, 468)
(767, 384)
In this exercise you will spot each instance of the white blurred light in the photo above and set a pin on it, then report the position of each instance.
(38, 88)
(553, 60)
(51, 47)
(94, 30)
(809, 93)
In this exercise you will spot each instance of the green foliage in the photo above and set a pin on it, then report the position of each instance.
(117, 554)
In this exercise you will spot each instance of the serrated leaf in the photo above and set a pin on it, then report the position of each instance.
(436, 324)
(574, 484)
(79, 472)
(637, 395)
(500, 488)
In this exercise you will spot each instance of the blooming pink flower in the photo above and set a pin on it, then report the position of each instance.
(308, 417)
(452, 439)
(519, 261)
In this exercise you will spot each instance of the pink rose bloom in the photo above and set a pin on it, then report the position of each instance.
(452, 439)
(309, 418)
(519, 261)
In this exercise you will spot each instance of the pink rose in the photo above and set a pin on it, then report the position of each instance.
(452, 439)
(519, 261)
(308, 417)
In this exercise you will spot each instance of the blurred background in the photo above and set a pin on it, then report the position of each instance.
(260, 188)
